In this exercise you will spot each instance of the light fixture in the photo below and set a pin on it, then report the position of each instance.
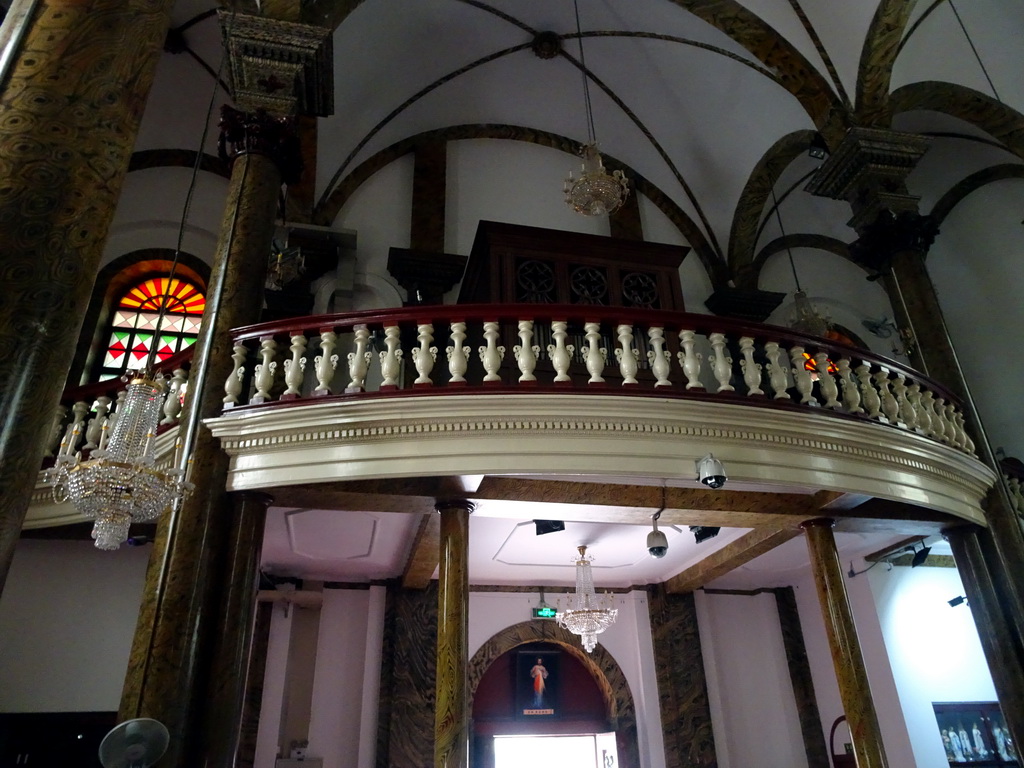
(818, 149)
(960, 600)
(548, 526)
(703, 532)
(920, 556)
(596, 192)
(286, 265)
(806, 317)
(120, 484)
(589, 615)
(711, 472)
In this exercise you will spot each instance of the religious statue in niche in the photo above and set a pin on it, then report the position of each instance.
(975, 733)
(537, 684)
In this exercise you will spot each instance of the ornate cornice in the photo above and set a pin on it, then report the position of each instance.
(282, 67)
(596, 436)
(869, 170)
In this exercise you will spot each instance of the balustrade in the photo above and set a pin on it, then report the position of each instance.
(86, 415)
(584, 349)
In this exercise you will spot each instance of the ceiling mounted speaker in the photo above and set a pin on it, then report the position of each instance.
(548, 526)
(135, 743)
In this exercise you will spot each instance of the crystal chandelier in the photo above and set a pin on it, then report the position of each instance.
(596, 192)
(119, 485)
(807, 318)
(589, 615)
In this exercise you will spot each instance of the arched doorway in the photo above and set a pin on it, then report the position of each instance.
(607, 677)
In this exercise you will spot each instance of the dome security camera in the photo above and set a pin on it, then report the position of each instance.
(657, 544)
(711, 472)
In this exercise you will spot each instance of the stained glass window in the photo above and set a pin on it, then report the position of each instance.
(133, 330)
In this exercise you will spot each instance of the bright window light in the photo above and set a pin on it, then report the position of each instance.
(555, 751)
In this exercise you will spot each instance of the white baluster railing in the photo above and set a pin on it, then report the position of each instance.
(560, 353)
(425, 355)
(595, 357)
(295, 367)
(744, 361)
(390, 358)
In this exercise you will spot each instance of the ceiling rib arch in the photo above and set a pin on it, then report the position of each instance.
(881, 47)
(747, 217)
(795, 72)
(998, 120)
(969, 184)
(329, 208)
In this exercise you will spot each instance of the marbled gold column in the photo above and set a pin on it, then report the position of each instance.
(179, 620)
(451, 702)
(69, 114)
(842, 639)
(229, 671)
(869, 170)
(997, 638)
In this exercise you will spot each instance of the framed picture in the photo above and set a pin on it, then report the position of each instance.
(975, 733)
(537, 684)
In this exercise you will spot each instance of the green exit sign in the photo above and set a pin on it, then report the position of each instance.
(547, 612)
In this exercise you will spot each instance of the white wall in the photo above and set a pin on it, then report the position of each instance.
(753, 711)
(338, 686)
(510, 181)
(67, 618)
(380, 212)
(149, 213)
(976, 265)
(935, 652)
(628, 641)
(275, 680)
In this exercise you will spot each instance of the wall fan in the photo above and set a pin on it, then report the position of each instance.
(135, 743)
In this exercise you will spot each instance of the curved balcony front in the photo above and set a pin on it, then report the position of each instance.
(587, 392)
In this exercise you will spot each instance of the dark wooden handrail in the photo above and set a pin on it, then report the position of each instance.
(89, 392)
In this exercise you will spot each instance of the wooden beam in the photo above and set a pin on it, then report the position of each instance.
(731, 556)
(530, 498)
(423, 559)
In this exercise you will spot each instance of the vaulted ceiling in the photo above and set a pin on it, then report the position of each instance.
(709, 105)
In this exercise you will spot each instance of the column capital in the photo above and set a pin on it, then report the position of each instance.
(282, 67)
(442, 505)
(892, 233)
(260, 133)
(869, 169)
(818, 522)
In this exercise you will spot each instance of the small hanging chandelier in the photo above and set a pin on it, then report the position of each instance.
(807, 318)
(119, 485)
(589, 615)
(596, 192)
